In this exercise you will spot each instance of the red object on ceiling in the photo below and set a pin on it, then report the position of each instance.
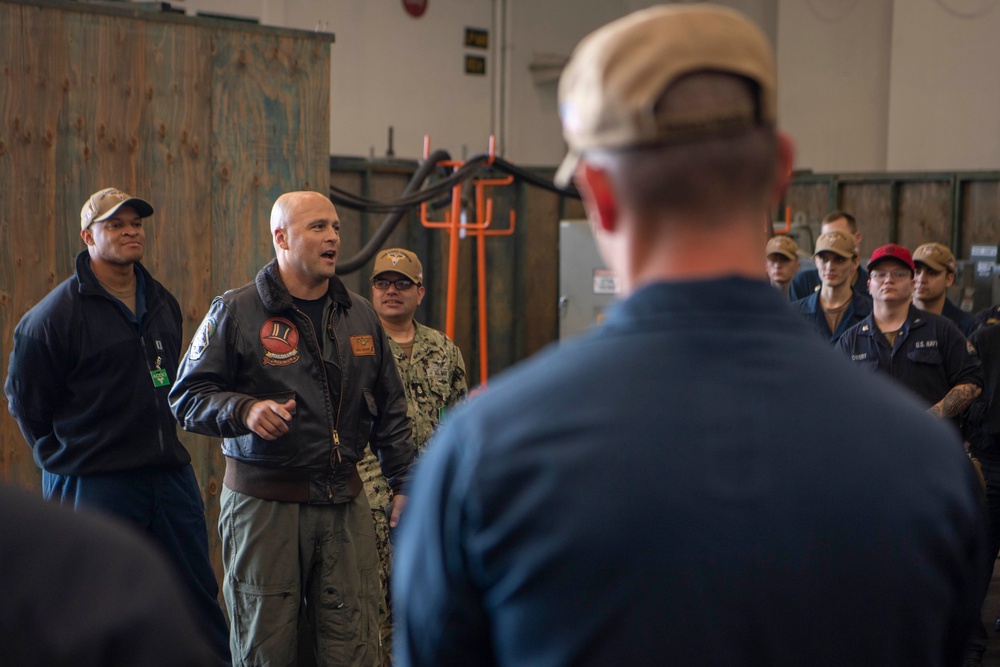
(415, 8)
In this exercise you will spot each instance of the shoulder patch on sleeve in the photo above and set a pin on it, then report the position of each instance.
(201, 339)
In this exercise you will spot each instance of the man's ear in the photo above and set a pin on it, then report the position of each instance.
(280, 239)
(87, 235)
(420, 294)
(950, 280)
(598, 196)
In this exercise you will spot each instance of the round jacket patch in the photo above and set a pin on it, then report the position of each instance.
(280, 339)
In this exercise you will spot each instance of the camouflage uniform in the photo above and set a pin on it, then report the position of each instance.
(434, 379)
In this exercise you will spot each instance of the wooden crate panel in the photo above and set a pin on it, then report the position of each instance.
(270, 135)
(869, 203)
(809, 202)
(924, 213)
(541, 268)
(980, 216)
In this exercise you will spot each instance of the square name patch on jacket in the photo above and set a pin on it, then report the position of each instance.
(363, 346)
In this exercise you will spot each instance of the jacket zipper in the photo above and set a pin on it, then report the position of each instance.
(335, 456)
(340, 398)
(145, 357)
(156, 397)
(145, 354)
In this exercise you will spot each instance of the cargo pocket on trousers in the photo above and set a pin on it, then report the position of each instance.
(352, 615)
(264, 621)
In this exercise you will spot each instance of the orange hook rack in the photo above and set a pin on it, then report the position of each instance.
(457, 229)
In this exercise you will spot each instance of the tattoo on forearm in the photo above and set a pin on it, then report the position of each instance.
(956, 400)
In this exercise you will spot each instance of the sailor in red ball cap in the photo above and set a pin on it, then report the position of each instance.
(925, 352)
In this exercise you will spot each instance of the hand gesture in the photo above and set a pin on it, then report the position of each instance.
(270, 419)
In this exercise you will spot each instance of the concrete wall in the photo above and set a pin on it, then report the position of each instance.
(944, 99)
(389, 69)
(833, 73)
(532, 133)
(866, 85)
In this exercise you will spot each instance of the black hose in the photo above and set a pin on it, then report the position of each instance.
(414, 196)
(407, 200)
(532, 179)
(385, 229)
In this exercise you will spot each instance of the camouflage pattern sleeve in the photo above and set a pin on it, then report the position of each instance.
(434, 379)
(379, 495)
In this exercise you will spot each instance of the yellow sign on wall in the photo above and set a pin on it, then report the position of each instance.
(475, 65)
(477, 38)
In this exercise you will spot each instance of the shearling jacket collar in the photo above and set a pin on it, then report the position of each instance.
(276, 298)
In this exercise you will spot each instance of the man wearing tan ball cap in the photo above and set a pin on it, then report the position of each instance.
(433, 373)
(754, 523)
(781, 257)
(92, 365)
(934, 275)
(103, 204)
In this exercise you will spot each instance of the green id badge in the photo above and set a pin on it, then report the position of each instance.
(160, 378)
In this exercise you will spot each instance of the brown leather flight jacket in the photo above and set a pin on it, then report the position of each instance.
(255, 344)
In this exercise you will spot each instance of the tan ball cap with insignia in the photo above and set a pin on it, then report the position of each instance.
(401, 261)
(782, 245)
(836, 242)
(936, 256)
(616, 75)
(105, 203)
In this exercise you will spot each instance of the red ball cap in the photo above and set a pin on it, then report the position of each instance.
(892, 251)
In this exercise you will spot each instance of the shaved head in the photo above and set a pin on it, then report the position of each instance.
(290, 203)
(305, 231)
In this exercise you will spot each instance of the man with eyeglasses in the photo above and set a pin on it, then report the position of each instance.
(836, 307)
(433, 373)
(923, 351)
(88, 380)
(935, 266)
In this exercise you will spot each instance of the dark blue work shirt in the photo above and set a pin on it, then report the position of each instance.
(859, 308)
(656, 491)
(930, 356)
(987, 317)
(982, 424)
(965, 322)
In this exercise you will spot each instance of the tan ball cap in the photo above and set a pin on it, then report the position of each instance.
(616, 75)
(105, 203)
(782, 245)
(401, 261)
(935, 255)
(836, 242)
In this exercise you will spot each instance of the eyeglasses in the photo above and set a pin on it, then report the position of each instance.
(401, 284)
(895, 274)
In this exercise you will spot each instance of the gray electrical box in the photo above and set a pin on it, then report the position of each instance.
(586, 286)
(983, 269)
